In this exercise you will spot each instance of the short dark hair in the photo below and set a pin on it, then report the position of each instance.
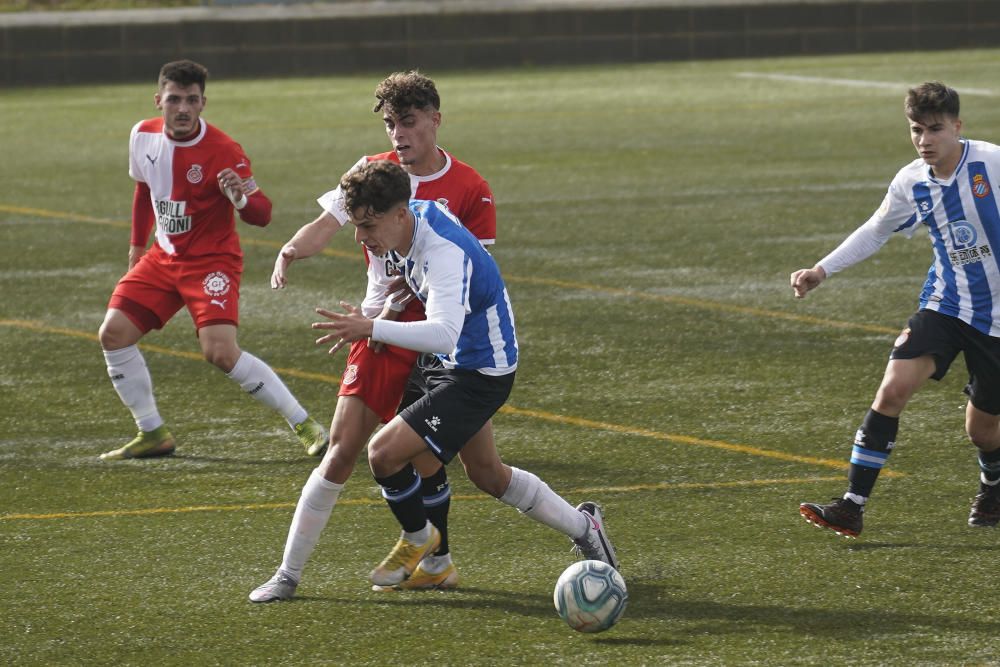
(375, 187)
(402, 90)
(931, 99)
(184, 73)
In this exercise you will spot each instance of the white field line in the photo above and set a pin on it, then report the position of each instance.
(894, 86)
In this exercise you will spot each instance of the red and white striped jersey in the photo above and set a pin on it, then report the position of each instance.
(193, 217)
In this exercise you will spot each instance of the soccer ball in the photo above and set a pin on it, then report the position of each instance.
(590, 596)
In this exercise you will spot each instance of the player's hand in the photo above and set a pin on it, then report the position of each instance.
(231, 185)
(399, 293)
(135, 253)
(345, 327)
(285, 257)
(805, 280)
(387, 314)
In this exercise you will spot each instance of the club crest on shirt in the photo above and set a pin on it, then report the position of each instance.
(216, 283)
(980, 186)
(194, 174)
(350, 374)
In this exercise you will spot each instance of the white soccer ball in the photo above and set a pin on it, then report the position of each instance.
(590, 596)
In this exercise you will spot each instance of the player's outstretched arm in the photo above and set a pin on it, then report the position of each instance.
(309, 240)
(805, 280)
(345, 327)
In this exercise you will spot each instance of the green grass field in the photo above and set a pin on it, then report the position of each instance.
(649, 217)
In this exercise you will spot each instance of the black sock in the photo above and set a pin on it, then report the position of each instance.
(436, 494)
(989, 464)
(872, 445)
(402, 491)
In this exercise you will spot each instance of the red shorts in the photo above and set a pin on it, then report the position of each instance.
(379, 380)
(154, 290)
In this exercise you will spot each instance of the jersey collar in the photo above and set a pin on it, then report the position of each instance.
(961, 163)
(190, 142)
(437, 174)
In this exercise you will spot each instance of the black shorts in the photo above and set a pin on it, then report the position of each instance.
(943, 337)
(456, 404)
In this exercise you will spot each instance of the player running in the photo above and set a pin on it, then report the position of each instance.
(469, 328)
(190, 177)
(375, 377)
(952, 190)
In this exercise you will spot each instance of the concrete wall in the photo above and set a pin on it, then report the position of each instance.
(129, 46)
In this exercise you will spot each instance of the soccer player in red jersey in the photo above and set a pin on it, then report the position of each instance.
(190, 178)
(375, 378)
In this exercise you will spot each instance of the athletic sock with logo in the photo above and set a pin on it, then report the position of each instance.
(311, 516)
(257, 379)
(533, 498)
(436, 493)
(401, 491)
(131, 379)
(872, 445)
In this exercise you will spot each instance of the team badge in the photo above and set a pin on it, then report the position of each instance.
(194, 174)
(980, 188)
(216, 283)
(350, 374)
(903, 336)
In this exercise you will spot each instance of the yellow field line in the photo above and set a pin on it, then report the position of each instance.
(75, 333)
(703, 304)
(682, 439)
(372, 502)
(506, 409)
(75, 217)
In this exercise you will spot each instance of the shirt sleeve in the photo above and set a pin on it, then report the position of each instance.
(142, 215)
(896, 214)
(134, 170)
(333, 201)
(481, 218)
(446, 305)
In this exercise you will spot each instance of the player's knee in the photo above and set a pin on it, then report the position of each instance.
(486, 480)
(892, 397)
(112, 337)
(984, 435)
(380, 459)
(221, 357)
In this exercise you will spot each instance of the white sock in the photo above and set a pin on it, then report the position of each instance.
(855, 498)
(131, 380)
(533, 498)
(258, 380)
(982, 478)
(311, 515)
(436, 564)
(419, 537)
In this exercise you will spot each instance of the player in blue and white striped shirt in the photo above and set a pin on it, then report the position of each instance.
(951, 189)
(470, 329)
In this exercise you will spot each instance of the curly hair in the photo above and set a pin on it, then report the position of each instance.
(375, 187)
(931, 99)
(404, 90)
(184, 73)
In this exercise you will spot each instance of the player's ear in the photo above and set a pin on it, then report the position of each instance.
(156, 100)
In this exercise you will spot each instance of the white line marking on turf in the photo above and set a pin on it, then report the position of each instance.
(853, 83)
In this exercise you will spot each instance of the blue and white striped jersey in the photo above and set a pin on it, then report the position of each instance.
(962, 218)
(454, 276)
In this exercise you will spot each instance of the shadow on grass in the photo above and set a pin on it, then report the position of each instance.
(653, 601)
